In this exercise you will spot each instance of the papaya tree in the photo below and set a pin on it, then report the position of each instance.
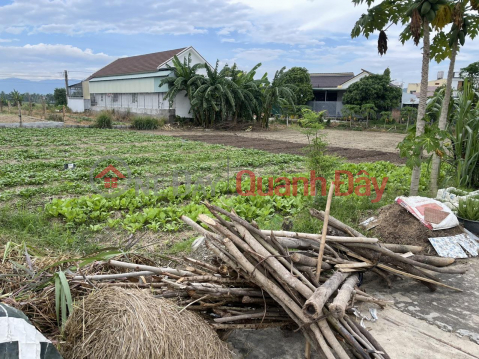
(418, 14)
(368, 110)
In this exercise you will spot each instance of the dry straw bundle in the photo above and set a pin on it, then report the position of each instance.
(130, 323)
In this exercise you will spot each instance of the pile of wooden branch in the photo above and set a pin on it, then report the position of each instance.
(262, 278)
(288, 284)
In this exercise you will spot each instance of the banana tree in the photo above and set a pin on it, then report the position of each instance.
(276, 94)
(180, 80)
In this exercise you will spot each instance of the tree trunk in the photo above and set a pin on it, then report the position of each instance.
(436, 160)
(20, 113)
(420, 123)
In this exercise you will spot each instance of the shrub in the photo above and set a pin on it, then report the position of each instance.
(468, 209)
(103, 120)
(55, 117)
(146, 123)
(311, 118)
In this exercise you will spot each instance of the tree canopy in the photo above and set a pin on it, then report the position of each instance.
(376, 90)
(60, 96)
(471, 72)
(303, 90)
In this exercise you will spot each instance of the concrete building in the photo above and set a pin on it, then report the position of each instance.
(133, 84)
(457, 83)
(328, 90)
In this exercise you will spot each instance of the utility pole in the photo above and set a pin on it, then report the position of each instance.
(66, 82)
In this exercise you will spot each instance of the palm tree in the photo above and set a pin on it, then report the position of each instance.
(368, 110)
(17, 99)
(180, 79)
(247, 93)
(214, 95)
(276, 94)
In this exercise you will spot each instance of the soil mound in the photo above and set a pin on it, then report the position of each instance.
(397, 225)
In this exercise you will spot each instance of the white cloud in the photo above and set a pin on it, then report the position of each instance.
(46, 61)
(7, 40)
(258, 54)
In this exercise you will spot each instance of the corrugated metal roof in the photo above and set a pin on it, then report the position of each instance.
(136, 64)
(331, 80)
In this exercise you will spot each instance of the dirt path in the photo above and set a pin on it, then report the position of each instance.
(353, 145)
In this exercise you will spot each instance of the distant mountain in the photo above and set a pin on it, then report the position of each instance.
(40, 87)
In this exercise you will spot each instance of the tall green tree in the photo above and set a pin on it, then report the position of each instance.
(275, 95)
(376, 90)
(3, 100)
(60, 96)
(181, 80)
(303, 90)
(471, 72)
(17, 99)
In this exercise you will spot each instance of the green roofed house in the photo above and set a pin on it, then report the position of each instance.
(132, 84)
(328, 90)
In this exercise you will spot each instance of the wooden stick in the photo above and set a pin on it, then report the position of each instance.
(391, 254)
(317, 237)
(157, 270)
(113, 276)
(308, 261)
(435, 261)
(208, 266)
(338, 307)
(251, 326)
(314, 305)
(198, 228)
(335, 223)
(371, 339)
(325, 231)
(280, 296)
(402, 248)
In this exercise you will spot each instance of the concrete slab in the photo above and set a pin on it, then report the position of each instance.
(43, 124)
(451, 311)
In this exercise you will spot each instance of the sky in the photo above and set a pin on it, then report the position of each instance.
(40, 39)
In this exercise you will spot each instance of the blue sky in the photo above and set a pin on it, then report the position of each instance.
(39, 39)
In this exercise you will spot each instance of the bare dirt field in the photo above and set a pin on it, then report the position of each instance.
(356, 146)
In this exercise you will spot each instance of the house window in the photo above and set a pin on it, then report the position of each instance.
(101, 98)
(320, 96)
(134, 98)
(331, 96)
(115, 97)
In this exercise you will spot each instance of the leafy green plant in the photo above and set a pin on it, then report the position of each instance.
(468, 209)
(417, 149)
(103, 120)
(312, 119)
(145, 123)
(63, 298)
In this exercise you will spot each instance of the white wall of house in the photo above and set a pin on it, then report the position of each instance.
(196, 58)
(76, 104)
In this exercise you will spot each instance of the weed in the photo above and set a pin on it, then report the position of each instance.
(103, 120)
(145, 123)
